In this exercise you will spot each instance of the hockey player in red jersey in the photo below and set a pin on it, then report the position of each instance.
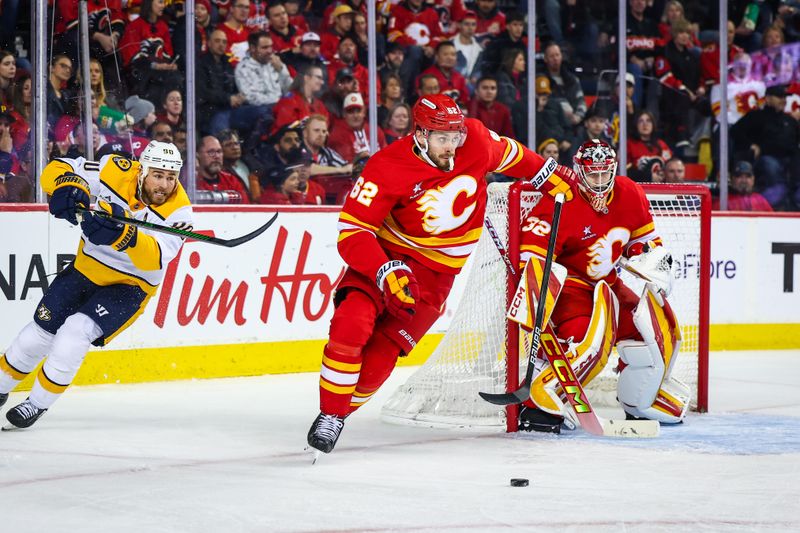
(608, 225)
(411, 220)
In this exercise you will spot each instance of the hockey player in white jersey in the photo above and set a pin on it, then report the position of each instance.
(117, 268)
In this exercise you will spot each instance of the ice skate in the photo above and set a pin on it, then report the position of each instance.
(532, 419)
(324, 433)
(23, 416)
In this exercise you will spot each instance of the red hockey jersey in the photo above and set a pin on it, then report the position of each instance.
(403, 204)
(589, 243)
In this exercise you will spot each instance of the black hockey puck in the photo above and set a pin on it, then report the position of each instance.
(519, 482)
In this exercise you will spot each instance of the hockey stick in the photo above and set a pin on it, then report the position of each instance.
(230, 243)
(499, 244)
(588, 418)
(523, 393)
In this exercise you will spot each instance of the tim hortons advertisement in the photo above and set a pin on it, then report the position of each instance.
(277, 287)
(280, 286)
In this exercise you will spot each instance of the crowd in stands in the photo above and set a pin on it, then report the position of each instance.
(282, 87)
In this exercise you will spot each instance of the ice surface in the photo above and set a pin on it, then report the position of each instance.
(227, 456)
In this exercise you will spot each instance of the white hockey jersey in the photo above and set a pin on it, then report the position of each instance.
(114, 180)
(743, 97)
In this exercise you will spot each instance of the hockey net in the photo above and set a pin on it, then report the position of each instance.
(482, 351)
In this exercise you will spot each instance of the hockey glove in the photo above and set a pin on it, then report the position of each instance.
(400, 288)
(106, 232)
(562, 180)
(653, 264)
(70, 192)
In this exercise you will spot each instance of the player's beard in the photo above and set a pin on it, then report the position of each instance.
(443, 161)
(155, 195)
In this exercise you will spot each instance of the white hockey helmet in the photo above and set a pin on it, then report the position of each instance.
(161, 155)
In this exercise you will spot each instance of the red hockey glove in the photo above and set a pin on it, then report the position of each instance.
(557, 177)
(400, 288)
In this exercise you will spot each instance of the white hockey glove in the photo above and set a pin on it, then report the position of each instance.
(654, 265)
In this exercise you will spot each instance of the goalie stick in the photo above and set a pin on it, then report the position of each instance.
(585, 413)
(229, 243)
(524, 392)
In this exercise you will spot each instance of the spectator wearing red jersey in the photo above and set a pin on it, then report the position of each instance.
(308, 192)
(236, 30)
(146, 50)
(21, 112)
(342, 25)
(351, 135)
(210, 175)
(106, 27)
(171, 110)
(451, 82)
(414, 25)
(282, 183)
(491, 21)
(674, 13)
(709, 58)
(398, 122)
(646, 152)
(302, 100)
(284, 35)
(484, 106)
(358, 6)
(296, 17)
(346, 59)
(742, 195)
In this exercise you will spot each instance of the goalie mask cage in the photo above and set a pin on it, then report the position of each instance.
(482, 351)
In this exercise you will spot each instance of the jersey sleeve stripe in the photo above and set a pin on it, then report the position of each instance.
(347, 218)
(647, 228)
(513, 156)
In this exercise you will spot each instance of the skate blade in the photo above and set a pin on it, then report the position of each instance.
(315, 454)
(10, 427)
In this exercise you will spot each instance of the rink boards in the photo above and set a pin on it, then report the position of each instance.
(264, 307)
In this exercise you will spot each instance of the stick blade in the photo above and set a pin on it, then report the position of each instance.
(250, 236)
(635, 429)
(506, 398)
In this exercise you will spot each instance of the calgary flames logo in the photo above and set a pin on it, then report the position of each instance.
(601, 253)
(438, 205)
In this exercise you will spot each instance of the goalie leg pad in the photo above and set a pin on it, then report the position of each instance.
(645, 388)
(587, 357)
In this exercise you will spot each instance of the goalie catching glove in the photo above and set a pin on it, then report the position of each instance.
(106, 232)
(400, 288)
(71, 191)
(653, 264)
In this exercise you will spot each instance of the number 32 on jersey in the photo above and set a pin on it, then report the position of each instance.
(537, 226)
(364, 191)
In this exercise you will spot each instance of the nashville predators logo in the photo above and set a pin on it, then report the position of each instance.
(43, 313)
(439, 205)
(122, 163)
(602, 252)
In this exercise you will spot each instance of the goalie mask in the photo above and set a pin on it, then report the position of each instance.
(441, 123)
(595, 163)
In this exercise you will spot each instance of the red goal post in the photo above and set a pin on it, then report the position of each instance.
(482, 351)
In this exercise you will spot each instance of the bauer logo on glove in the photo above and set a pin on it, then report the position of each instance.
(400, 288)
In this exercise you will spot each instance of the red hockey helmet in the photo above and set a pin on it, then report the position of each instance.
(438, 112)
(595, 162)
